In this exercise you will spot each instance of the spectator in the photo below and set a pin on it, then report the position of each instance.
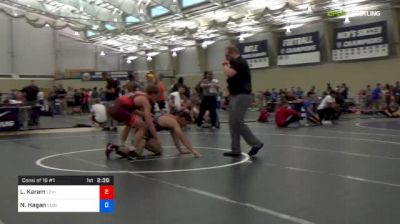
(77, 102)
(309, 109)
(31, 94)
(111, 94)
(396, 92)
(161, 94)
(299, 94)
(95, 95)
(69, 97)
(344, 91)
(274, 95)
(134, 77)
(387, 93)
(61, 94)
(179, 84)
(40, 96)
(326, 109)
(98, 112)
(376, 97)
(312, 91)
(285, 116)
(102, 95)
(210, 89)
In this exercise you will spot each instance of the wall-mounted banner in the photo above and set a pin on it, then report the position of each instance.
(299, 49)
(9, 119)
(362, 41)
(97, 76)
(255, 53)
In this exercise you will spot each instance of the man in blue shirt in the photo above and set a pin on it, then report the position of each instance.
(376, 96)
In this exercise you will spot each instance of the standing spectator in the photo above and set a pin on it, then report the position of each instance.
(239, 85)
(102, 95)
(95, 95)
(111, 94)
(134, 77)
(61, 94)
(77, 102)
(210, 89)
(69, 97)
(31, 94)
(40, 97)
(161, 94)
(377, 97)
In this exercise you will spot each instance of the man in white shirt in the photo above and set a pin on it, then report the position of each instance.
(326, 109)
(210, 89)
(99, 113)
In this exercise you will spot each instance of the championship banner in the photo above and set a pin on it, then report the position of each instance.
(97, 76)
(299, 49)
(9, 119)
(255, 53)
(359, 42)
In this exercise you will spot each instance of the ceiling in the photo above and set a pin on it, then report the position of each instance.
(148, 27)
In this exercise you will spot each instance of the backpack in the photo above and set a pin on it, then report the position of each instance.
(263, 115)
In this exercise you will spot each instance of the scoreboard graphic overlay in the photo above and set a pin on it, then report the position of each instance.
(66, 194)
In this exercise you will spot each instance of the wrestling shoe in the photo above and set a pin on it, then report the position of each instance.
(109, 148)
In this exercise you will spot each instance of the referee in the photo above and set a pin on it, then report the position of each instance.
(239, 85)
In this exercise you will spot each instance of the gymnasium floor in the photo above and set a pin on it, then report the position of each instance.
(344, 173)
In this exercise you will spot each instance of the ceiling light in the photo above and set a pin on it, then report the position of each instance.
(81, 8)
(141, 11)
(151, 54)
(121, 50)
(128, 61)
(241, 38)
(288, 30)
(347, 20)
(149, 58)
(176, 49)
(76, 33)
(131, 58)
(102, 53)
(173, 39)
(174, 54)
(95, 27)
(204, 45)
(15, 14)
(47, 25)
(115, 19)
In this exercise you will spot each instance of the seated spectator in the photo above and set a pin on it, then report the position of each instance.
(285, 116)
(309, 109)
(98, 113)
(178, 101)
(326, 109)
(299, 94)
(392, 109)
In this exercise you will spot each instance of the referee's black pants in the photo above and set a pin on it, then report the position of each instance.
(208, 103)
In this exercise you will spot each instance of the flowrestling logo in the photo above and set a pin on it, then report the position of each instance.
(6, 124)
(357, 13)
(4, 113)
